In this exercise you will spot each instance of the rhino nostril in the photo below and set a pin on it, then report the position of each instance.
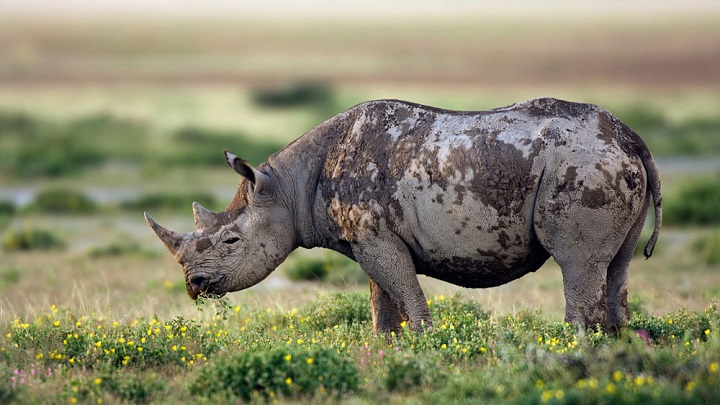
(198, 282)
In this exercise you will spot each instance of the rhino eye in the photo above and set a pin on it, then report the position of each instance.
(232, 240)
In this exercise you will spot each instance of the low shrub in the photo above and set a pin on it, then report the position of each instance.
(120, 249)
(31, 238)
(32, 146)
(695, 202)
(299, 94)
(63, 201)
(332, 268)
(310, 269)
(290, 372)
(708, 247)
(665, 137)
(202, 146)
(169, 202)
(7, 208)
(9, 276)
(409, 371)
(337, 309)
(134, 388)
(10, 387)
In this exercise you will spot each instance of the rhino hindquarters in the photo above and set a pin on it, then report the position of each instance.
(585, 241)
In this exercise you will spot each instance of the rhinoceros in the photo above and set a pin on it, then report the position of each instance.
(476, 199)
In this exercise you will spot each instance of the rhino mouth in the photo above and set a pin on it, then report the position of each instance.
(199, 285)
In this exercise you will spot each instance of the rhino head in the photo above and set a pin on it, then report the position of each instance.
(237, 248)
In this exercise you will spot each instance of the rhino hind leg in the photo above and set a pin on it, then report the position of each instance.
(386, 316)
(388, 264)
(618, 313)
(584, 281)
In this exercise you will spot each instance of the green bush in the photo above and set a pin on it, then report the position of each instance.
(295, 95)
(134, 388)
(63, 201)
(169, 202)
(708, 248)
(695, 202)
(9, 276)
(337, 309)
(10, 388)
(31, 238)
(290, 372)
(202, 146)
(409, 371)
(332, 268)
(310, 269)
(7, 208)
(642, 118)
(693, 136)
(31, 147)
(120, 249)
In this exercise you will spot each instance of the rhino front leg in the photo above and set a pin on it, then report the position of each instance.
(386, 316)
(388, 264)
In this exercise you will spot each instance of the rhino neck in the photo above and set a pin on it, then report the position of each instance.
(299, 166)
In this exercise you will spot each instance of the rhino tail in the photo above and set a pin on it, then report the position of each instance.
(654, 188)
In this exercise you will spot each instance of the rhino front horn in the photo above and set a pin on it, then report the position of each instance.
(204, 218)
(171, 240)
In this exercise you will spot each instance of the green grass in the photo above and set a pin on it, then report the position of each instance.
(244, 354)
(695, 202)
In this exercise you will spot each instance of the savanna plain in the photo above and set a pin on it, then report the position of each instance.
(101, 120)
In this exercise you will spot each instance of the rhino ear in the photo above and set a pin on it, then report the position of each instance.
(204, 218)
(259, 179)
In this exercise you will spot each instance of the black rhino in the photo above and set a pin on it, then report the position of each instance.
(477, 199)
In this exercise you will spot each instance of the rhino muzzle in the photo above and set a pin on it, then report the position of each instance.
(201, 284)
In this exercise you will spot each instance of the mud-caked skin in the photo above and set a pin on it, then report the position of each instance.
(476, 199)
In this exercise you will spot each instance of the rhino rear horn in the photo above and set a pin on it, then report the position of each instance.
(204, 218)
(172, 240)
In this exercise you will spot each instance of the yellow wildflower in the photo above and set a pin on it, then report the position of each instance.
(309, 360)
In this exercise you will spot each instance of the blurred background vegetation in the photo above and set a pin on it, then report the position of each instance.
(108, 110)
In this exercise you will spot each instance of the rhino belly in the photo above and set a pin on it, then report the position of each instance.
(481, 271)
(471, 245)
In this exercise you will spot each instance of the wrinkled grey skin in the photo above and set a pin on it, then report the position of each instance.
(477, 199)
